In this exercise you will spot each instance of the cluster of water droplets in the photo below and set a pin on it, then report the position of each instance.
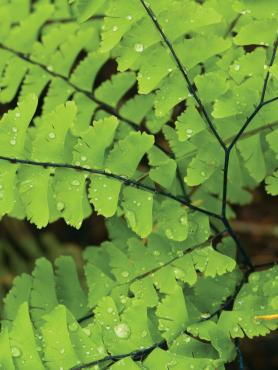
(14, 131)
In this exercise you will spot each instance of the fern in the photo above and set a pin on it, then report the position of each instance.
(81, 136)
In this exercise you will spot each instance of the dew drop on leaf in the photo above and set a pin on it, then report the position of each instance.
(156, 253)
(60, 206)
(122, 331)
(73, 327)
(139, 48)
(75, 183)
(125, 274)
(51, 135)
(16, 352)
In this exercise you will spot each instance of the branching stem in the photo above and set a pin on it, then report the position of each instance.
(126, 181)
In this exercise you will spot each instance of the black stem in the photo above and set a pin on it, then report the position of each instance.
(184, 73)
(102, 105)
(135, 355)
(239, 355)
(124, 180)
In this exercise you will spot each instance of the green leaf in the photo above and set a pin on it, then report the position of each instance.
(58, 349)
(272, 184)
(127, 153)
(137, 205)
(24, 350)
(6, 359)
(172, 220)
(172, 319)
(251, 151)
(248, 34)
(87, 9)
(211, 262)
(189, 124)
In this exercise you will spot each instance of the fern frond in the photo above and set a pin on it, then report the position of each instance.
(131, 287)
(116, 317)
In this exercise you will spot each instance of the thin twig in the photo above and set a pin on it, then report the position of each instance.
(135, 355)
(182, 69)
(239, 355)
(124, 180)
(102, 105)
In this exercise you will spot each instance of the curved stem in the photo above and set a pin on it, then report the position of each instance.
(183, 71)
(124, 180)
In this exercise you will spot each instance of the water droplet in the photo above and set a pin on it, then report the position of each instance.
(168, 233)
(180, 253)
(50, 68)
(122, 331)
(129, 17)
(183, 220)
(110, 198)
(203, 174)
(75, 183)
(87, 331)
(14, 129)
(125, 274)
(205, 315)
(139, 48)
(73, 326)
(62, 350)
(13, 142)
(17, 114)
(144, 334)
(156, 253)
(83, 158)
(16, 352)
(60, 206)
(237, 67)
(123, 299)
(115, 28)
(51, 135)
(109, 309)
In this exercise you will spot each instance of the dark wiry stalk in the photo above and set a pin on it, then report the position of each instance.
(183, 72)
(141, 353)
(230, 300)
(102, 105)
(239, 355)
(268, 73)
(124, 180)
(211, 241)
(135, 355)
(202, 108)
(260, 105)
